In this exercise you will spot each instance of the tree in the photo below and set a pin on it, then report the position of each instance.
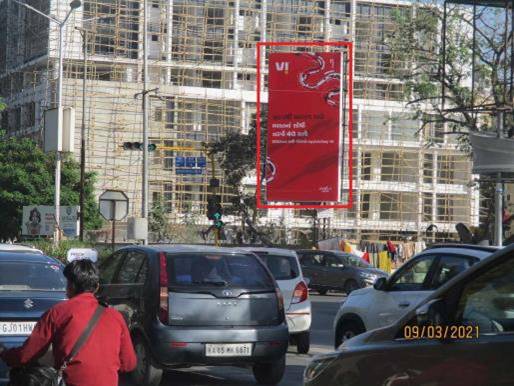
(27, 178)
(236, 153)
(416, 57)
(158, 223)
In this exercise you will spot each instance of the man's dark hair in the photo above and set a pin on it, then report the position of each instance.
(82, 275)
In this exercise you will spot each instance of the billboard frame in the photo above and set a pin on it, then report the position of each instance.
(349, 203)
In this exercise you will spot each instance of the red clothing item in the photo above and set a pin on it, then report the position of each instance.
(108, 350)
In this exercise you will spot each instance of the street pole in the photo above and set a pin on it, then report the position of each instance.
(498, 232)
(57, 196)
(83, 33)
(145, 117)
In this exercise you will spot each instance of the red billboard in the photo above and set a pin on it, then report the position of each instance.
(304, 151)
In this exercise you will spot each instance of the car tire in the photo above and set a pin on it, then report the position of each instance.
(346, 330)
(303, 342)
(350, 286)
(145, 373)
(322, 292)
(270, 373)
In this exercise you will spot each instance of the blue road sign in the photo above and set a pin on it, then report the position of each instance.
(190, 162)
(201, 162)
(180, 162)
(189, 171)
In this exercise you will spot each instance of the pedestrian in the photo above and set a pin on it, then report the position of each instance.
(107, 350)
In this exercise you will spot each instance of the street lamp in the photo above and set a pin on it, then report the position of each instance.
(73, 6)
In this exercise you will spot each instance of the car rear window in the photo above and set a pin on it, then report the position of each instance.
(23, 276)
(197, 270)
(282, 267)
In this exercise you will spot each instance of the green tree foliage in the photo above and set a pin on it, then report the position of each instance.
(236, 153)
(158, 223)
(27, 178)
(416, 57)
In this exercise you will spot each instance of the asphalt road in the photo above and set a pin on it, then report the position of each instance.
(324, 309)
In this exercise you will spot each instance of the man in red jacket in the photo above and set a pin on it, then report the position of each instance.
(109, 348)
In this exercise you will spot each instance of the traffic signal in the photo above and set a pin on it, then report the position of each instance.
(214, 208)
(138, 146)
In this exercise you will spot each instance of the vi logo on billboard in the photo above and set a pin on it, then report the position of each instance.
(282, 66)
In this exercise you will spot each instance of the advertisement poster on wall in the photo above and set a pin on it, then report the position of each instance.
(304, 149)
(38, 220)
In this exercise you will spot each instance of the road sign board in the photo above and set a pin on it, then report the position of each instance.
(190, 162)
(113, 205)
(189, 171)
(180, 162)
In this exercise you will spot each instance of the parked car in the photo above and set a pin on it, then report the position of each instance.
(462, 334)
(285, 267)
(19, 248)
(30, 283)
(389, 299)
(337, 271)
(196, 305)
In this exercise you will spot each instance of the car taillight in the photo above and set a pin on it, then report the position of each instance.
(163, 289)
(300, 294)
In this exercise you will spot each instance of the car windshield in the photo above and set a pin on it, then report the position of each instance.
(24, 276)
(282, 267)
(217, 270)
(353, 261)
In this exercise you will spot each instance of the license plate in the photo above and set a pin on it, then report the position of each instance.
(228, 350)
(16, 328)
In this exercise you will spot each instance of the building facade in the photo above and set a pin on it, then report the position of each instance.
(202, 59)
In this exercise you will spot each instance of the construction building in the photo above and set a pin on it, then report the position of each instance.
(202, 59)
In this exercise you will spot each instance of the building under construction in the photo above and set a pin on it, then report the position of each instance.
(202, 59)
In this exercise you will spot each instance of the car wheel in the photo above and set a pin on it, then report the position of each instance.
(303, 342)
(322, 291)
(270, 373)
(350, 286)
(347, 330)
(145, 374)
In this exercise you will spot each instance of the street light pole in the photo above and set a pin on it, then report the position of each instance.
(57, 197)
(83, 33)
(144, 212)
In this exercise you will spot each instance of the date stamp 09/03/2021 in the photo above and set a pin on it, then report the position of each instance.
(441, 332)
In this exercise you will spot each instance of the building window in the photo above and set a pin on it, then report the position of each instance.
(215, 16)
(365, 205)
(427, 207)
(213, 51)
(211, 79)
(366, 166)
(428, 167)
(155, 38)
(389, 206)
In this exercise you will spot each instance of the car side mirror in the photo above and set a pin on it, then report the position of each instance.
(380, 284)
(307, 281)
(430, 313)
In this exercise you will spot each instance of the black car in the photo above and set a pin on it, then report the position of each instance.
(194, 305)
(462, 334)
(337, 271)
(30, 283)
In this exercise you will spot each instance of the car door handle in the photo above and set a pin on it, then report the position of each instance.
(404, 304)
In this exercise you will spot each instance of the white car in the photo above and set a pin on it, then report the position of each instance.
(4, 247)
(389, 299)
(285, 267)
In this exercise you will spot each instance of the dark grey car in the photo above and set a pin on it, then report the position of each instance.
(336, 270)
(463, 334)
(193, 305)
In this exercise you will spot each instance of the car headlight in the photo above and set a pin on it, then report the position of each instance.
(317, 366)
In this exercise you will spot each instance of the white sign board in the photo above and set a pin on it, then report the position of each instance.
(82, 253)
(38, 220)
(60, 134)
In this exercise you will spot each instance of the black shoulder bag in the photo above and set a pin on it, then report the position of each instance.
(38, 375)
